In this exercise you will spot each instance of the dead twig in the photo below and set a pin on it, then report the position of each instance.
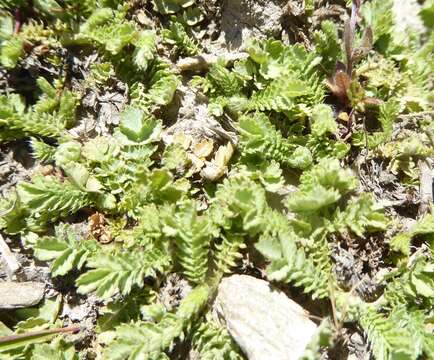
(11, 338)
(203, 62)
(417, 115)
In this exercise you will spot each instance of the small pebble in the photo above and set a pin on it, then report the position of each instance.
(14, 295)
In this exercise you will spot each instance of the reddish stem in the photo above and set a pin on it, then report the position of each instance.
(18, 22)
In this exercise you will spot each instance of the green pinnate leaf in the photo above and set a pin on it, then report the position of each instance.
(145, 49)
(42, 151)
(65, 250)
(11, 52)
(323, 121)
(360, 215)
(136, 125)
(328, 44)
(149, 340)
(313, 200)
(192, 234)
(122, 271)
(47, 198)
(100, 150)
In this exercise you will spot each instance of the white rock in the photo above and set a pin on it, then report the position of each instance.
(264, 322)
(15, 295)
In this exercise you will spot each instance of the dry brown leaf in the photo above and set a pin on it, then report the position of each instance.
(196, 162)
(47, 170)
(216, 168)
(213, 172)
(343, 116)
(98, 228)
(223, 154)
(204, 148)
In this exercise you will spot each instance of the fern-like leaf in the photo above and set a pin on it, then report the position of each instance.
(321, 186)
(15, 123)
(192, 234)
(388, 340)
(239, 205)
(279, 95)
(415, 321)
(260, 139)
(228, 252)
(11, 52)
(289, 262)
(414, 285)
(177, 35)
(47, 198)
(145, 49)
(328, 45)
(109, 30)
(379, 15)
(214, 342)
(145, 340)
(289, 81)
(360, 215)
(64, 249)
(220, 81)
(42, 151)
(122, 271)
(162, 83)
(388, 113)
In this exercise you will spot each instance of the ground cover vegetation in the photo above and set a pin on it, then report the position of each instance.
(310, 190)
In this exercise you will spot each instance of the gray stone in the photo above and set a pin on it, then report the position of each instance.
(8, 258)
(264, 322)
(15, 295)
(243, 19)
